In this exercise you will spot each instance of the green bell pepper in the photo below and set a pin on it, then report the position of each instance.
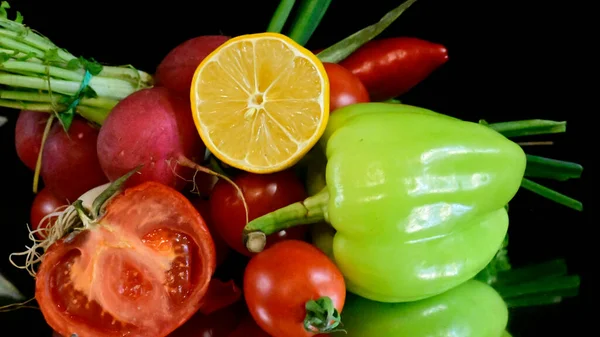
(477, 308)
(472, 309)
(416, 199)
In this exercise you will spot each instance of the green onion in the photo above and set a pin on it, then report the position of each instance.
(347, 46)
(528, 127)
(309, 17)
(280, 16)
(551, 194)
(540, 167)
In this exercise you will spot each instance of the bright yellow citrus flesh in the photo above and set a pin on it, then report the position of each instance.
(260, 102)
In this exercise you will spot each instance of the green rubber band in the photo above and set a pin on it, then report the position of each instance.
(66, 116)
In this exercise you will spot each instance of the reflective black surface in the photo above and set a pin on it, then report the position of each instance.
(507, 62)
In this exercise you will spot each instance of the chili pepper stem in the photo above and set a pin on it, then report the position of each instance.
(310, 211)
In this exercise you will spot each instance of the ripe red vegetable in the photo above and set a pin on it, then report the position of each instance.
(143, 270)
(218, 324)
(70, 165)
(43, 204)
(344, 87)
(153, 127)
(247, 328)
(281, 279)
(391, 67)
(28, 136)
(177, 68)
(221, 248)
(264, 193)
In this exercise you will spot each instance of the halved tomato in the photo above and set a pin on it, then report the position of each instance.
(142, 271)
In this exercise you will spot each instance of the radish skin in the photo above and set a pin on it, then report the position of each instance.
(177, 68)
(29, 130)
(153, 128)
(70, 166)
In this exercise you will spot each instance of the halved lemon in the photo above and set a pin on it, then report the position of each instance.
(260, 102)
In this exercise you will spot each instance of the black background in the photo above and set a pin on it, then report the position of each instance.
(508, 61)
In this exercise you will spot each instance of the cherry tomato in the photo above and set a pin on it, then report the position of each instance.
(221, 248)
(219, 295)
(344, 87)
(264, 193)
(142, 270)
(249, 328)
(218, 324)
(43, 204)
(281, 279)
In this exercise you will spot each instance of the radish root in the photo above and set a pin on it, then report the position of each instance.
(67, 219)
(16, 306)
(38, 163)
(183, 161)
(195, 189)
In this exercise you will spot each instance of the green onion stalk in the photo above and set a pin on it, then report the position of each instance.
(37, 75)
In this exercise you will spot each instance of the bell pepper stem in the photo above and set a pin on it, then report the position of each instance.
(309, 211)
(321, 316)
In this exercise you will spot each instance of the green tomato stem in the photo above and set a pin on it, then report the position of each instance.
(307, 20)
(528, 127)
(310, 211)
(551, 194)
(321, 316)
(540, 167)
(280, 16)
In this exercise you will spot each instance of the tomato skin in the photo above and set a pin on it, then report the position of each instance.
(221, 247)
(43, 204)
(141, 271)
(248, 328)
(344, 87)
(218, 324)
(264, 193)
(391, 67)
(281, 279)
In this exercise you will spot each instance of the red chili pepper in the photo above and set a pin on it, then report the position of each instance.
(391, 67)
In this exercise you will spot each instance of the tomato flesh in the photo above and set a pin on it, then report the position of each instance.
(141, 272)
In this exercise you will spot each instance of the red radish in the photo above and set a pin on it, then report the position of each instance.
(28, 136)
(176, 70)
(154, 128)
(70, 165)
